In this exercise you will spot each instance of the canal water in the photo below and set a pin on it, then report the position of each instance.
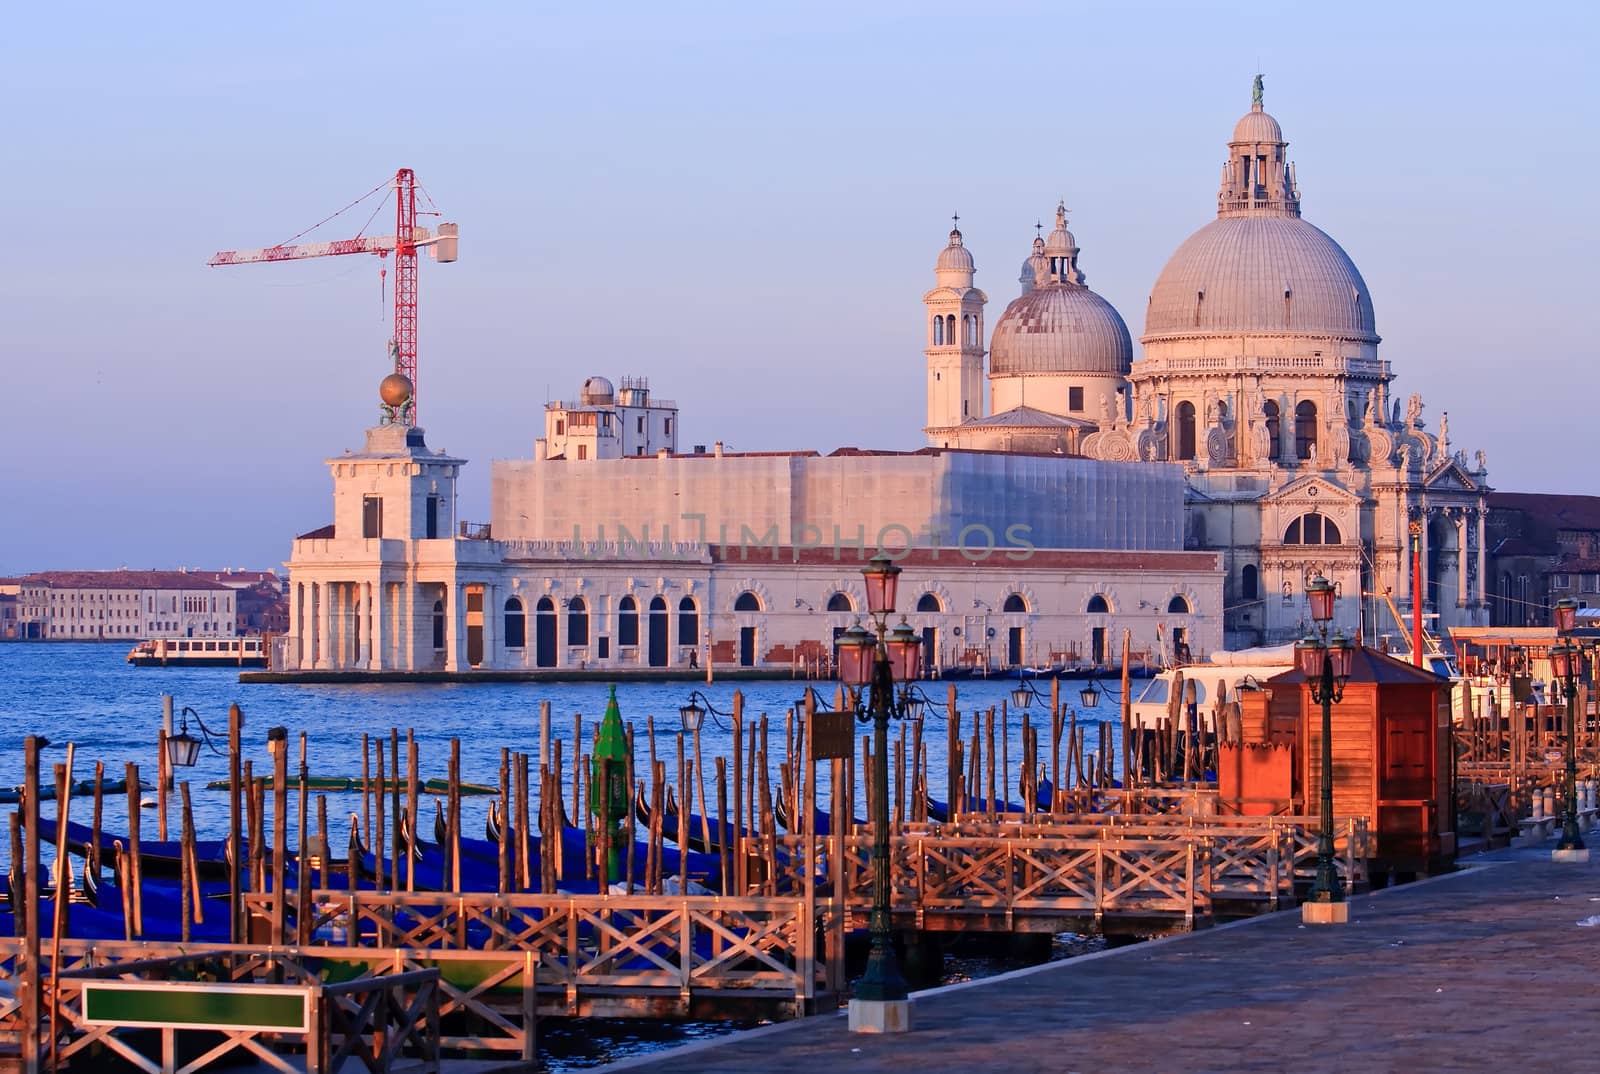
(87, 694)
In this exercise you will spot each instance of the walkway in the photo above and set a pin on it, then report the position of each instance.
(1482, 970)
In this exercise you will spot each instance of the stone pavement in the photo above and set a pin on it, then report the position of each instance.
(1483, 970)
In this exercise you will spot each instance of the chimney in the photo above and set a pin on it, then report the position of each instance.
(716, 449)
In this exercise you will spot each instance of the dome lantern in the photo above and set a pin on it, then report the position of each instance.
(1257, 177)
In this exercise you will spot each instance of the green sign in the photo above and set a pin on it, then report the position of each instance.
(192, 1005)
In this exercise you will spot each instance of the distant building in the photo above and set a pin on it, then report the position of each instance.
(10, 620)
(124, 605)
(606, 423)
(1544, 547)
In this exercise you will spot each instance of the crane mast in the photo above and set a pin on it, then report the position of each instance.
(408, 238)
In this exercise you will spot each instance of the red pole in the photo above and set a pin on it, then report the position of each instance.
(405, 281)
(1417, 593)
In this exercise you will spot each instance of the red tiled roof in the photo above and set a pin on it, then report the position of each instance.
(123, 580)
(1559, 510)
(850, 557)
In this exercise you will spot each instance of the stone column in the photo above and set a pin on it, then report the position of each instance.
(292, 646)
(454, 625)
(491, 645)
(324, 601)
(1481, 596)
(377, 636)
(1461, 560)
(1423, 552)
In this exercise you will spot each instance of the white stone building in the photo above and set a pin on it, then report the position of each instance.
(582, 567)
(124, 605)
(609, 424)
(1260, 374)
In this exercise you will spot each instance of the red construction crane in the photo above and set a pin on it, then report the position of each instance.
(407, 239)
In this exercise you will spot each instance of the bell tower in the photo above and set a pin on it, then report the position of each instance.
(955, 341)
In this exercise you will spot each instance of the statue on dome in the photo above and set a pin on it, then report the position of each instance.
(1108, 413)
(1444, 432)
(1483, 461)
(1414, 410)
(1257, 92)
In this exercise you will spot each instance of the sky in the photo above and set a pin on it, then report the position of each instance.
(740, 202)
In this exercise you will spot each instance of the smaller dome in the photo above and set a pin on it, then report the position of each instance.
(395, 389)
(598, 390)
(1256, 126)
(954, 257)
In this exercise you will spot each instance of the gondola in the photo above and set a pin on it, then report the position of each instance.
(160, 858)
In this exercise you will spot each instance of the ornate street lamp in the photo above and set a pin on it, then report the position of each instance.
(1024, 693)
(1566, 659)
(1326, 665)
(693, 712)
(872, 665)
(1090, 694)
(183, 749)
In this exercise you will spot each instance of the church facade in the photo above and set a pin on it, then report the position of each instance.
(1071, 490)
(1260, 375)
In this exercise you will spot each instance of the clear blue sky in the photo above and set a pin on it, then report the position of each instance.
(741, 202)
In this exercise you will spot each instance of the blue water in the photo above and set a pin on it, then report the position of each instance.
(87, 694)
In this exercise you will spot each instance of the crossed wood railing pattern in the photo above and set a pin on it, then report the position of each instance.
(683, 943)
(376, 1019)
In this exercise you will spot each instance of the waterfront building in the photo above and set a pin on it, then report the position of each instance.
(124, 605)
(1251, 445)
(750, 561)
(1542, 548)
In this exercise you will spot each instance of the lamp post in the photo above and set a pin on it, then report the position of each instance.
(881, 1001)
(1565, 659)
(1326, 666)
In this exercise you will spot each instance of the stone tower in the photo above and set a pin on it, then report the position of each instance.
(955, 339)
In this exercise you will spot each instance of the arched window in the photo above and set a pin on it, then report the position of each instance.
(1250, 583)
(747, 602)
(1312, 529)
(929, 602)
(688, 622)
(516, 628)
(938, 331)
(966, 328)
(1305, 428)
(1098, 605)
(577, 622)
(1178, 605)
(841, 602)
(1185, 430)
(628, 622)
(1014, 603)
(438, 624)
(1274, 430)
(950, 329)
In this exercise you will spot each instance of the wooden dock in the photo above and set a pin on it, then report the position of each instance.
(1483, 970)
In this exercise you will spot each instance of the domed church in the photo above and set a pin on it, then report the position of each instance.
(1260, 373)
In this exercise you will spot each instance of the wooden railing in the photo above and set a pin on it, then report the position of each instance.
(268, 995)
(685, 944)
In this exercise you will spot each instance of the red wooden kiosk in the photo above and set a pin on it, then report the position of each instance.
(1391, 757)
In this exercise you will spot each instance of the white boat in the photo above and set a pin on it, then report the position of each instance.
(199, 652)
(1233, 671)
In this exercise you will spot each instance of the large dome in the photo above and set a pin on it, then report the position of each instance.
(1260, 275)
(1060, 328)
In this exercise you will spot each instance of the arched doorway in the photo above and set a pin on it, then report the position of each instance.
(658, 632)
(1443, 580)
(747, 602)
(516, 624)
(628, 623)
(544, 633)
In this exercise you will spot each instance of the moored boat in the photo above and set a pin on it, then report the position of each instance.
(247, 652)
